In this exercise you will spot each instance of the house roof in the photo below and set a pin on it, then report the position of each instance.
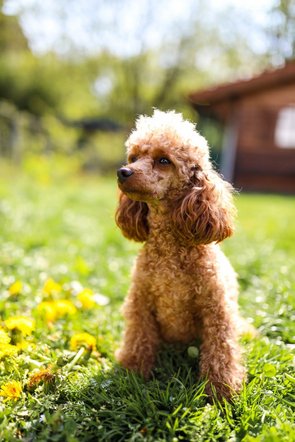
(231, 91)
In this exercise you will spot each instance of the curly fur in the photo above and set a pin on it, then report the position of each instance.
(183, 287)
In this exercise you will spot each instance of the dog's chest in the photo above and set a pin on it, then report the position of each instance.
(174, 308)
(173, 287)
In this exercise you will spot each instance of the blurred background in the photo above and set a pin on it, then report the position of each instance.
(74, 75)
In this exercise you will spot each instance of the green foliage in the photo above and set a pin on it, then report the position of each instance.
(29, 83)
(207, 47)
(25, 80)
(55, 225)
(281, 30)
(116, 85)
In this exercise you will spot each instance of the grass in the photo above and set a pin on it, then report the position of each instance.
(58, 238)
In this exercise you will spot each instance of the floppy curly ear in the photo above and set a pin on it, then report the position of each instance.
(206, 212)
(131, 217)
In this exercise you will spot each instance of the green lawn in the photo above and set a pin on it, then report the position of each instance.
(66, 388)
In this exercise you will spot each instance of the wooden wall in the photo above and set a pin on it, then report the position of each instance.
(260, 163)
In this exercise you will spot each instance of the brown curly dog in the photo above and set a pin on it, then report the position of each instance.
(183, 287)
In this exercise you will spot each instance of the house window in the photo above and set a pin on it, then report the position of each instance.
(285, 128)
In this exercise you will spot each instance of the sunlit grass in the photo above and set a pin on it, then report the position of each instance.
(64, 271)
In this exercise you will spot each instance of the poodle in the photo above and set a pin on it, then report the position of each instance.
(183, 287)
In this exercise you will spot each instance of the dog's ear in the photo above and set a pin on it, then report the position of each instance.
(205, 213)
(131, 217)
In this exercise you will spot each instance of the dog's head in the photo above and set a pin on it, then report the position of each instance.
(168, 164)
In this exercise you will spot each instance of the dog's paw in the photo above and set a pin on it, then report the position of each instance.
(134, 363)
(221, 390)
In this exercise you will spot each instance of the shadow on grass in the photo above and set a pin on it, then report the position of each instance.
(120, 405)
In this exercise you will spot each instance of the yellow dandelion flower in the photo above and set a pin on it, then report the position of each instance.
(64, 307)
(86, 298)
(23, 345)
(16, 288)
(11, 390)
(50, 286)
(4, 338)
(7, 350)
(82, 340)
(21, 323)
(52, 310)
(47, 310)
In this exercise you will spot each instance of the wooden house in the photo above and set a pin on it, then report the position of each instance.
(258, 116)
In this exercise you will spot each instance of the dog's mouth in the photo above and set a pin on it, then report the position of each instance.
(127, 188)
(135, 193)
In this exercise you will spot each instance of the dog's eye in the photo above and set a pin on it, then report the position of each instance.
(132, 159)
(164, 161)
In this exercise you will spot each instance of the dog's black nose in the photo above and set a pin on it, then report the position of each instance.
(124, 173)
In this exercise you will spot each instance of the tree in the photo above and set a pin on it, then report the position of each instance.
(24, 79)
(152, 57)
(12, 38)
(281, 31)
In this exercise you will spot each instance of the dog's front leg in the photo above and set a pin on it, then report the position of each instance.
(141, 338)
(220, 361)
